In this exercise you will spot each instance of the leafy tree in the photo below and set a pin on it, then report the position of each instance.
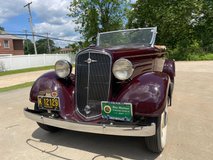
(204, 29)
(28, 47)
(175, 19)
(42, 46)
(75, 47)
(93, 16)
(2, 28)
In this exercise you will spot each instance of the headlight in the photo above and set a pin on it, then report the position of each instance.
(122, 69)
(63, 68)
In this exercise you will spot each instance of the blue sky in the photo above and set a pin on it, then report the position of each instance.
(49, 16)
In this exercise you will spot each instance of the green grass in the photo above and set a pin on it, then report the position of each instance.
(190, 57)
(201, 57)
(18, 86)
(26, 70)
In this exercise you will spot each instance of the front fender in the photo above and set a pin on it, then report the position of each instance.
(169, 68)
(50, 83)
(148, 94)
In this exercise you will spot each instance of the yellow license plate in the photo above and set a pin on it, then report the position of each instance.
(48, 102)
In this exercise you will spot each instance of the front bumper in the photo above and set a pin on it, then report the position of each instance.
(135, 131)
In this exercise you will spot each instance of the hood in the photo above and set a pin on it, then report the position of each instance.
(131, 52)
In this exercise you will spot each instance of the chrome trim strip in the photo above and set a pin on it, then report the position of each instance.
(98, 52)
(134, 29)
(135, 131)
(88, 79)
(98, 38)
(152, 42)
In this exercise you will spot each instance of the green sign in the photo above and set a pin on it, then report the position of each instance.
(116, 111)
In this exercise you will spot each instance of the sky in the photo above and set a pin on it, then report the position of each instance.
(49, 16)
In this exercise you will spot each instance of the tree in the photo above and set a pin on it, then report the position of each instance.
(204, 29)
(2, 28)
(175, 20)
(93, 16)
(28, 47)
(75, 47)
(42, 46)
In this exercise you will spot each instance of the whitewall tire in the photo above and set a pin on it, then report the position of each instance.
(157, 142)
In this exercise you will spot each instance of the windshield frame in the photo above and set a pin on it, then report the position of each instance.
(152, 42)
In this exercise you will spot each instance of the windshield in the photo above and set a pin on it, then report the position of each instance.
(142, 37)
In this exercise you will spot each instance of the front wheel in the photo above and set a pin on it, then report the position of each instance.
(157, 142)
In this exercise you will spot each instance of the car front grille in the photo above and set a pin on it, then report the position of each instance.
(93, 70)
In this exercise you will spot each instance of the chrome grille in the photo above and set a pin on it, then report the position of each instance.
(93, 70)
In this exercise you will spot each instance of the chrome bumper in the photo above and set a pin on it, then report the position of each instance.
(135, 131)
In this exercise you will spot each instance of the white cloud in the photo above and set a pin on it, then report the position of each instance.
(52, 15)
(10, 9)
(65, 31)
(50, 9)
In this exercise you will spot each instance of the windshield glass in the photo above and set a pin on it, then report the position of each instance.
(143, 37)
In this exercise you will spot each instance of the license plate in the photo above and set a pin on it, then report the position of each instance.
(48, 102)
(116, 111)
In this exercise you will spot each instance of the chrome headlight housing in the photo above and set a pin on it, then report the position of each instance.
(63, 68)
(122, 69)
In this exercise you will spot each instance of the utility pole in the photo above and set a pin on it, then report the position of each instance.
(31, 26)
(26, 41)
(48, 43)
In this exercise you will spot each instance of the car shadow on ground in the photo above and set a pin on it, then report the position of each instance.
(114, 147)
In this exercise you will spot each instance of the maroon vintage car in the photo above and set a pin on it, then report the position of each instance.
(122, 86)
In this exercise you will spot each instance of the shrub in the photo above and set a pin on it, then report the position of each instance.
(2, 66)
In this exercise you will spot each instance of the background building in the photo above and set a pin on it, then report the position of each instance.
(65, 50)
(10, 44)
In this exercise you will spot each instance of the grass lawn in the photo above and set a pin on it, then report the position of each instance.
(190, 57)
(201, 57)
(18, 86)
(26, 70)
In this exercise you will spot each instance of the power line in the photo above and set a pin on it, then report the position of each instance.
(41, 36)
(36, 34)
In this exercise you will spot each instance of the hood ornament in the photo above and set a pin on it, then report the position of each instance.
(89, 60)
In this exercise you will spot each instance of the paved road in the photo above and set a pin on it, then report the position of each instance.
(14, 79)
(190, 131)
